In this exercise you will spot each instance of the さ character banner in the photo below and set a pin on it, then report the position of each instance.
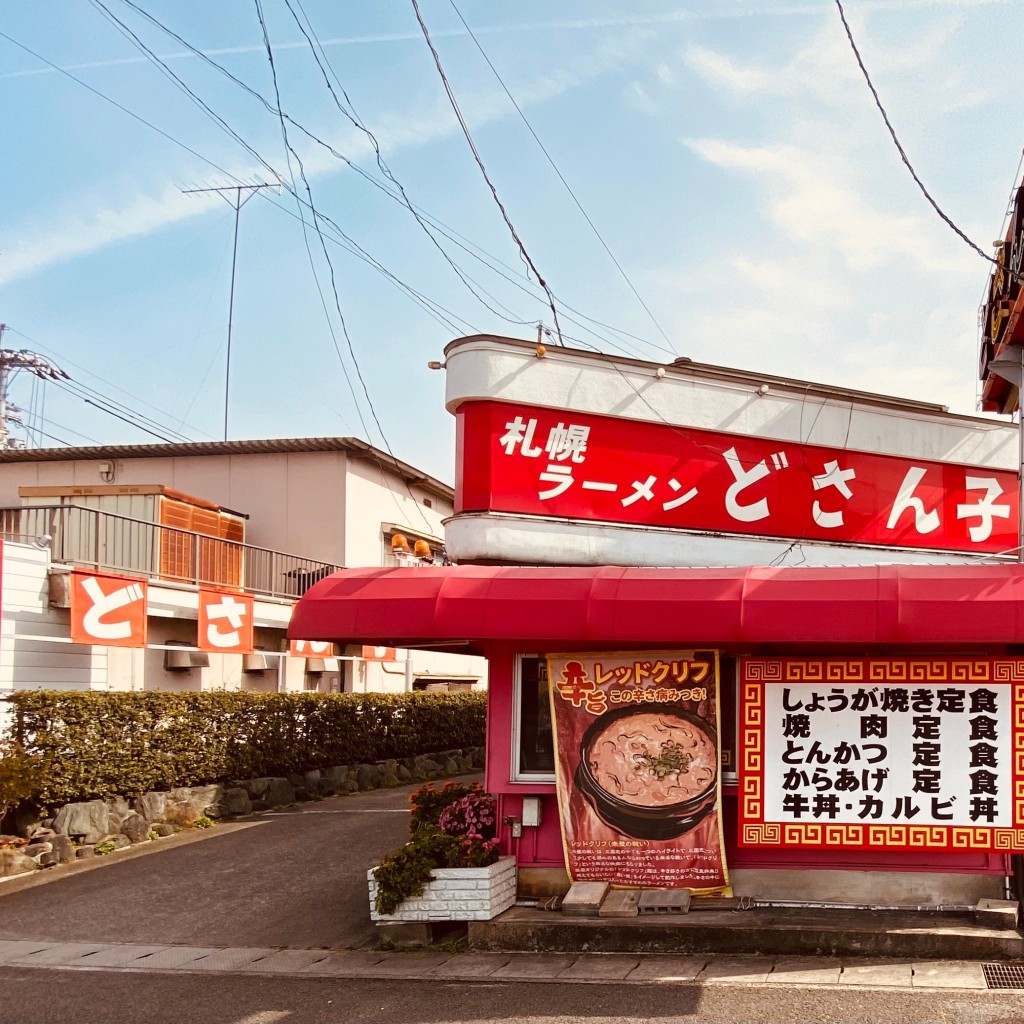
(638, 768)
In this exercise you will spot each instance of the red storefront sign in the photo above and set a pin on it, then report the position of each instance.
(922, 754)
(108, 610)
(311, 649)
(571, 465)
(225, 622)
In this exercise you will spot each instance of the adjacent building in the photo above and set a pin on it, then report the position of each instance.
(185, 561)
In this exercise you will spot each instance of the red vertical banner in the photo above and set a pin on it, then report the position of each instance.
(225, 622)
(108, 610)
(311, 649)
(638, 768)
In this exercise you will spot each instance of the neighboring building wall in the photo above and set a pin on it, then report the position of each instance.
(29, 660)
(377, 497)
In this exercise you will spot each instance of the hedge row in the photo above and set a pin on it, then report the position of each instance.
(102, 744)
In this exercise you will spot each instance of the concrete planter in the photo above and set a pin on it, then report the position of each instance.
(457, 894)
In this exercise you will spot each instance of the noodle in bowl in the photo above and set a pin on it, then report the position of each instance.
(650, 772)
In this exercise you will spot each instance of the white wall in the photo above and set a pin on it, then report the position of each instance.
(35, 647)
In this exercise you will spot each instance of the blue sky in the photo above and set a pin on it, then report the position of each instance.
(727, 150)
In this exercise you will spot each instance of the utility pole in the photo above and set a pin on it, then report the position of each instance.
(235, 201)
(11, 362)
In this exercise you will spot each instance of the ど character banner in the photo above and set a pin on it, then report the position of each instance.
(638, 768)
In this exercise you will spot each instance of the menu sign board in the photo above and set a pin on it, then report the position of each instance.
(882, 752)
(638, 768)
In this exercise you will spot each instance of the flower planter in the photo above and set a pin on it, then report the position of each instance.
(457, 894)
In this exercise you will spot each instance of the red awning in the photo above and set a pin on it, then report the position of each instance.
(607, 606)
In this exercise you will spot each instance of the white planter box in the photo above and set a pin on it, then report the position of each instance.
(457, 894)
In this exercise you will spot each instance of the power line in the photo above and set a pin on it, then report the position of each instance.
(483, 170)
(357, 122)
(98, 394)
(561, 177)
(906, 160)
(290, 152)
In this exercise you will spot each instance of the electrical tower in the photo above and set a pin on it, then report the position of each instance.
(11, 362)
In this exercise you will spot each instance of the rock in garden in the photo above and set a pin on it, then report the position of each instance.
(119, 810)
(338, 774)
(88, 850)
(403, 773)
(311, 780)
(256, 787)
(152, 806)
(14, 862)
(164, 828)
(89, 820)
(63, 848)
(369, 776)
(36, 849)
(296, 780)
(235, 801)
(135, 829)
(187, 803)
(48, 860)
(115, 840)
(279, 792)
(39, 833)
(451, 767)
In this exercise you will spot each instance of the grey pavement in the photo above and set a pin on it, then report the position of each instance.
(585, 968)
(296, 878)
(280, 905)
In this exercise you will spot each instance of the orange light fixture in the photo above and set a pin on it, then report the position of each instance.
(422, 550)
(400, 543)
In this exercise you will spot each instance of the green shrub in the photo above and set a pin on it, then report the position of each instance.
(95, 745)
(401, 875)
(21, 775)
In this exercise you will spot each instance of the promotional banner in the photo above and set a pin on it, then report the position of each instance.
(638, 768)
(901, 753)
(225, 622)
(108, 610)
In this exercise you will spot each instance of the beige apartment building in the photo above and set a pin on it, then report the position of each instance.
(258, 521)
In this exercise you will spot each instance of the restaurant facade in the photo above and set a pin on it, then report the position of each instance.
(746, 635)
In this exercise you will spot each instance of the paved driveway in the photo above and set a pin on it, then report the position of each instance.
(292, 879)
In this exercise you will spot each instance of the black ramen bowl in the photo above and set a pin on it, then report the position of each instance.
(667, 821)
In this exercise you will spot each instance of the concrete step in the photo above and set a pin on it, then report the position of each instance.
(761, 930)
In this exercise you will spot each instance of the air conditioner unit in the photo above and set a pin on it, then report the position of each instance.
(178, 661)
(185, 660)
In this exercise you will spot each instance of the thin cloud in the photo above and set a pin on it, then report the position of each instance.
(578, 24)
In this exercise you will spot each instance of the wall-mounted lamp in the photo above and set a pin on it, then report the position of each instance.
(436, 364)
(541, 351)
(763, 390)
(255, 662)
(107, 471)
(660, 373)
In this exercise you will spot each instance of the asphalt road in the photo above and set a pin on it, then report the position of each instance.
(56, 997)
(295, 879)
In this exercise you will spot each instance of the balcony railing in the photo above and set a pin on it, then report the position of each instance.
(105, 540)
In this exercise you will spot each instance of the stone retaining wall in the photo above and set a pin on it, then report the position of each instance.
(94, 827)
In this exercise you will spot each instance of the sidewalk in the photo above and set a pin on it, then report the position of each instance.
(592, 968)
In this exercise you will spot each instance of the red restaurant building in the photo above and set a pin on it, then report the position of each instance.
(743, 632)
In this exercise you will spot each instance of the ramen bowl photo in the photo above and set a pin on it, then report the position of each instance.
(650, 772)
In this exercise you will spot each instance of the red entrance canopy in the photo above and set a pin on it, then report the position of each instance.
(608, 606)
